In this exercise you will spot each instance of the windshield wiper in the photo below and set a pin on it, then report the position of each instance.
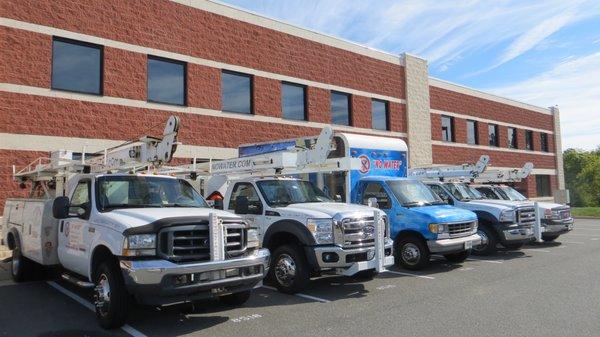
(114, 206)
(416, 203)
(181, 205)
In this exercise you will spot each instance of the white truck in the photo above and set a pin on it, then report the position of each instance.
(555, 219)
(307, 232)
(146, 237)
(509, 223)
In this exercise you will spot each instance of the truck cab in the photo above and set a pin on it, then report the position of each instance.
(421, 223)
(307, 232)
(555, 219)
(509, 223)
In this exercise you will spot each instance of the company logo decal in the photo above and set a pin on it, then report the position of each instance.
(365, 164)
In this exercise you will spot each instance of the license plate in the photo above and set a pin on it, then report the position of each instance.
(468, 245)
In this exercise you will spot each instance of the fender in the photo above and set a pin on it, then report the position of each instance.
(487, 217)
(16, 237)
(293, 227)
(408, 232)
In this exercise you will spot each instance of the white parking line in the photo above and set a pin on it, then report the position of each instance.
(536, 250)
(586, 235)
(484, 260)
(410, 274)
(575, 242)
(314, 298)
(127, 328)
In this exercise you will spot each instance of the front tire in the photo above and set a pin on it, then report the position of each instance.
(550, 238)
(289, 269)
(489, 247)
(110, 296)
(236, 299)
(458, 257)
(412, 253)
(21, 268)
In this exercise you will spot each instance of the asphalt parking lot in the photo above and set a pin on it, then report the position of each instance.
(541, 290)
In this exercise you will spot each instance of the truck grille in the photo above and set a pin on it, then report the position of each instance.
(358, 232)
(526, 216)
(192, 242)
(461, 229)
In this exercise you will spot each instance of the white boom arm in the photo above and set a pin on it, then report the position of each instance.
(468, 171)
(507, 175)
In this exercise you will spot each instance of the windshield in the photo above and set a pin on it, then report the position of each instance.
(145, 191)
(463, 192)
(285, 192)
(412, 193)
(510, 193)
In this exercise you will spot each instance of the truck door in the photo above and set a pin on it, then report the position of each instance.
(254, 214)
(384, 202)
(72, 230)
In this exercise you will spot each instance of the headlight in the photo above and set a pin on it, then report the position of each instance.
(438, 228)
(321, 229)
(507, 216)
(139, 245)
(551, 215)
(253, 240)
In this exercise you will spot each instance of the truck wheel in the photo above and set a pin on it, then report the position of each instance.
(110, 296)
(236, 299)
(289, 269)
(21, 267)
(550, 238)
(458, 257)
(412, 253)
(513, 246)
(488, 242)
(366, 274)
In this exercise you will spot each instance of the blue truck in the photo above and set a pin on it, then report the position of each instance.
(421, 224)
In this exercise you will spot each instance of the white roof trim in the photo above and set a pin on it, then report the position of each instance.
(253, 18)
(436, 82)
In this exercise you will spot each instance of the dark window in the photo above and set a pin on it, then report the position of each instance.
(512, 138)
(340, 108)
(493, 135)
(76, 66)
(375, 190)
(293, 101)
(544, 141)
(166, 81)
(487, 192)
(248, 191)
(542, 185)
(472, 132)
(447, 129)
(236, 92)
(529, 140)
(379, 115)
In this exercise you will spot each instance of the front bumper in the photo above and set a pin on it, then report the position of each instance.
(351, 261)
(516, 234)
(454, 244)
(554, 227)
(157, 282)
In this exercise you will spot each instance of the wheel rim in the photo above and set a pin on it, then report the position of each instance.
(411, 254)
(285, 270)
(102, 295)
(484, 241)
(16, 263)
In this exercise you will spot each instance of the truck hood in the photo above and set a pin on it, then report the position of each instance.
(551, 205)
(327, 209)
(121, 219)
(445, 214)
(505, 203)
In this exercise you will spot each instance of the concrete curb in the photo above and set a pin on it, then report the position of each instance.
(586, 217)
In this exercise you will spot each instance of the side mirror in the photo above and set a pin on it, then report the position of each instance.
(218, 204)
(372, 202)
(60, 208)
(241, 205)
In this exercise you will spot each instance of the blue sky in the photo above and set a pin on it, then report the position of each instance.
(543, 52)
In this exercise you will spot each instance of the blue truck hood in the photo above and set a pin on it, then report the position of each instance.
(445, 213)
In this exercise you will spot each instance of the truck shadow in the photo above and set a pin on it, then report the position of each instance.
(541, 245)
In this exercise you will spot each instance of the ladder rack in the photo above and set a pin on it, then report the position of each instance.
(465, 171)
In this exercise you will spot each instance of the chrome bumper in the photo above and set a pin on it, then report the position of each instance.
(453, 245)
(515, 232)
(351, 261)
(158, 282)
(557, 226)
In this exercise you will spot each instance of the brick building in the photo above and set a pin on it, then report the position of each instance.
(96, 73)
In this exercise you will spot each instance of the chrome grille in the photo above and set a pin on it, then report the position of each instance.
(358, 232)
(526, 216)
(235, 239)
(461, 229)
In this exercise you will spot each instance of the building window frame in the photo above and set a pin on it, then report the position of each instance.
(251, 78)
(529, 145)
(304, 100)
(475, 132)
(449, 135)
(495, 142)
(514, 142)
(387, 114)
(185, 79)
(349, 100)
(543, 185)
(83, 44)
(544, 142)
